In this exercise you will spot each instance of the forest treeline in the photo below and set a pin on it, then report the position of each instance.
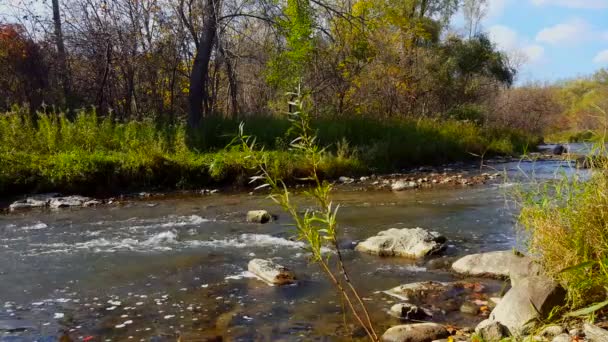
(149, 92)
(194, 58)
(191, 59)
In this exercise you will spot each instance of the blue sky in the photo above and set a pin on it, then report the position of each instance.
(552, 39)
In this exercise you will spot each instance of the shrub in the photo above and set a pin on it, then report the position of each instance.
(566, 221)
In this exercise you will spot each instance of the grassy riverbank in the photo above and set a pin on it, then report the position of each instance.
(95, 155)
(566, 221)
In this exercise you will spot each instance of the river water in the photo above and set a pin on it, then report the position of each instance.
(157, 269)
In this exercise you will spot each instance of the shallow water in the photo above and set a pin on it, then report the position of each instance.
(176, 266)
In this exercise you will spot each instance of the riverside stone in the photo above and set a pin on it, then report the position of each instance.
(401, 185)
(491, 330)
(408, 243)
(499, 264)
(258, 216)
(419, 332)
(594, 333)
(520, 307)
(270, 272)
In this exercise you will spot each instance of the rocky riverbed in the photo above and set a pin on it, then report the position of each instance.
(161, 267)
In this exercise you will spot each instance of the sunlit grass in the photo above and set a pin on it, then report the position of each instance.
(90, 153)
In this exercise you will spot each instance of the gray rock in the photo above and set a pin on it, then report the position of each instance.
(562, 338)
(519, 309)
(408, 243)
(29, 203)
(20, 205)
(595, 334)
(499, 264)
(401, 185)
(491, 331)
(345, 180)
(408, 311)
(68, 201)
(15, 325)
(91, 203)
(258, 216)
(469, 308)
(419, 332)
(270, 272)
(551, 331)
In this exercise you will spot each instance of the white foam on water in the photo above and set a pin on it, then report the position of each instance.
(406, 268)
(186, 221)
(166, 241)
(167, 222)
(163, 241)
(37, 226)
(238, 276)
(249, 240)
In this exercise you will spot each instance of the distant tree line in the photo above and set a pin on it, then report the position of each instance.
(188, 59)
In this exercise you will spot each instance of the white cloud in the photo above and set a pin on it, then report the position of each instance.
(508, 40)
(569, 32)
(533, 52)
(601, 57)
(496, 8)
(589, 4)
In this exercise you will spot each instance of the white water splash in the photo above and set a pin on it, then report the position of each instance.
(37, 226)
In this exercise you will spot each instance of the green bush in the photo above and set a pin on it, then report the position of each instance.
(90, 153)
(566, 222)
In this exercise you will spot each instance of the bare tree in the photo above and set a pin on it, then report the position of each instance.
(474, 11)
(61, 54)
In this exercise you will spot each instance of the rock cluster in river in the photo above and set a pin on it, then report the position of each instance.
(518, 314)
(53, 201)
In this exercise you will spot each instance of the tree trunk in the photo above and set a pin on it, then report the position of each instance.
(61, 55)
(198, 97)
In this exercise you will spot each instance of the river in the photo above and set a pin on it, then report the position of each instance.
(152, 270)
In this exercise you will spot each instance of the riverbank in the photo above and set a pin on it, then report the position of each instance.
(177, 267)
(94, 156)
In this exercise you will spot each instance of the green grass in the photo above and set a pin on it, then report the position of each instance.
(566, 222)
(571, 136)
(90, 154)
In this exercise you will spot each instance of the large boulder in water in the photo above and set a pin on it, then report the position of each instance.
(500, 264)
(258, 216)
(270, 272)
(408, 243)
(419, 332)
(531, 299)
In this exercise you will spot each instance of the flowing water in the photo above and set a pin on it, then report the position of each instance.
(153, 270)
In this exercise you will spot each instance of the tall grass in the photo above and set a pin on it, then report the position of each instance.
(90, 153)
(567, 225)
